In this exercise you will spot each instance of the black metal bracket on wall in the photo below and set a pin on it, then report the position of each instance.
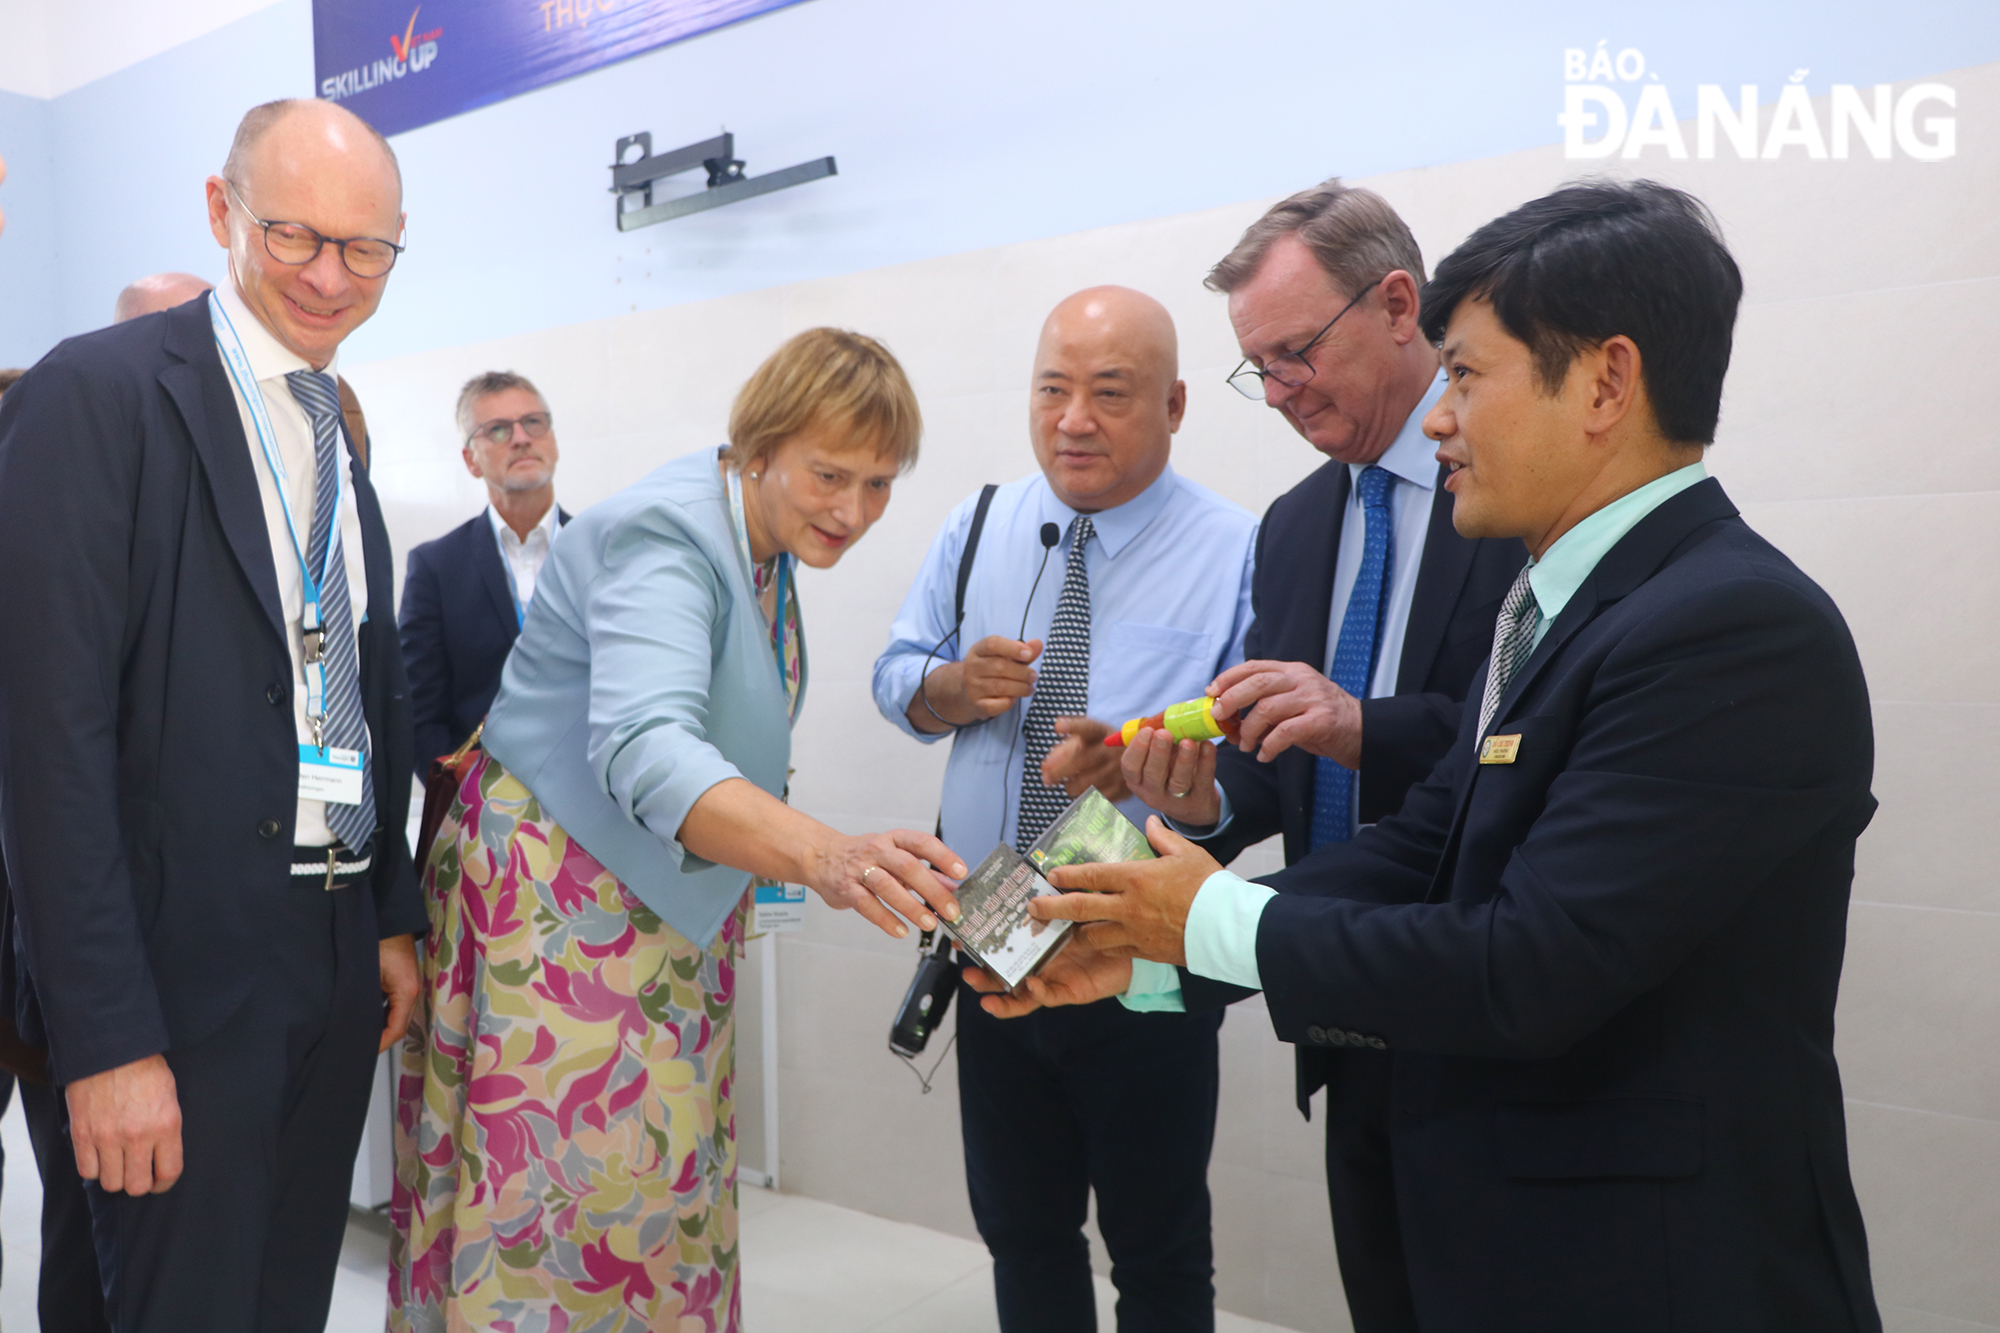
(726, 182)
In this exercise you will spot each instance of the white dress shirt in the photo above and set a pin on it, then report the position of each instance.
(270, 361)
(523, 557)
(1412, 458)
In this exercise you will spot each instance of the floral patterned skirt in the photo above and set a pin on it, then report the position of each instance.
(565, 1142)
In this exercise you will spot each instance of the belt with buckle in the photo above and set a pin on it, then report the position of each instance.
(328, 862)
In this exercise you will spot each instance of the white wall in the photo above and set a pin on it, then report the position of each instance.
(1852, 434)
(47, 50)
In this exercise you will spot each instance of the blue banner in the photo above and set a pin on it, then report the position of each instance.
(399, 64)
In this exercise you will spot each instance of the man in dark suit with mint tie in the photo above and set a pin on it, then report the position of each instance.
(466, 594)
(1372, 614)
(1601, 943)
(204, 746)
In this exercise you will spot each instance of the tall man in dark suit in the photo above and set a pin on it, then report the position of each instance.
(204, 745)
(466, 594)
(1602, 941)
(1372, 614)
(69, 1295)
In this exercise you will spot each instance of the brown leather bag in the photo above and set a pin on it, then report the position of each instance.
(440, 789)
(357, 424)
(19, 1057)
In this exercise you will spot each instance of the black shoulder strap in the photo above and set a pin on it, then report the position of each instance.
(971, 549)
(958, 610)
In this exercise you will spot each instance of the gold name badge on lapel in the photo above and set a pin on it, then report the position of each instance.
(1500, 749)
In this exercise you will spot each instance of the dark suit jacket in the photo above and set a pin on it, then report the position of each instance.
(1606, 971)
(148, 762)
(458, 625)
(1460, 585)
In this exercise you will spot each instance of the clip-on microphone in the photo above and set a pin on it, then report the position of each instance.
(1051, 538)
(928, 1000)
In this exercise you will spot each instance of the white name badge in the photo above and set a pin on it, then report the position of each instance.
(332, 774)
(778, 907)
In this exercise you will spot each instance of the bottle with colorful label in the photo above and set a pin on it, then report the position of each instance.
(1191, 721)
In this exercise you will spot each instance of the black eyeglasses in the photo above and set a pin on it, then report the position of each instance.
(535, 425)
(1292, 369)
(296, 245)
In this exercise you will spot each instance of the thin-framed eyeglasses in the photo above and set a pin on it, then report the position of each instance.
(294, 244)
(535, 425)
(1291, 369)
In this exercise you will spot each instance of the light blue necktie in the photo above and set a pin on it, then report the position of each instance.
(1354, 653)
(345, 726)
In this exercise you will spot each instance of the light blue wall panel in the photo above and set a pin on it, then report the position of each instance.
(956, 126)
(28, 253)
(133, 148)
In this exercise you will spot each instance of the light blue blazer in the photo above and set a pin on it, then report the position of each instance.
(643, 677)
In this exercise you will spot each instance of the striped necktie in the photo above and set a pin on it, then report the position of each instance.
(1513, 641)
(1062, 689)
(1355, 651)
(345, 728)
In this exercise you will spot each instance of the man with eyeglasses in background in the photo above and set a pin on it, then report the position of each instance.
(205, 756)
(1372, 614)
(466, 594)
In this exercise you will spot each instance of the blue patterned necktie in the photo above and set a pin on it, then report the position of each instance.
(1354, 653)
(1062, 689)
(345, 727)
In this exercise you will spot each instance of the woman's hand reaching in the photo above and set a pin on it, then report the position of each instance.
(878, 872)
(878, 875)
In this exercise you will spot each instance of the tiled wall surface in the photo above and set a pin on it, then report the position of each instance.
(1857, 434)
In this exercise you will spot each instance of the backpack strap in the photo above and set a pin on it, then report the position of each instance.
(971, 549)
(958, 608)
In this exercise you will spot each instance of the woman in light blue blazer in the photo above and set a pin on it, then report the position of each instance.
(566, 1142)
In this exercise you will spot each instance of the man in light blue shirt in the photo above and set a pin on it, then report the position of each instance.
(1146, 599)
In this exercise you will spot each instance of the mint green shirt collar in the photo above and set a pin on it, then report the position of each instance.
(1565, 565)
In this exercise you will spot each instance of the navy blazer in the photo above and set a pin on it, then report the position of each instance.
(148, 761)
(1460, 585)
(457, 627)
(1606, 971)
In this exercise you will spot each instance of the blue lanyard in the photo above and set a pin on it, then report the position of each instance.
(311, 627)
(778, 618)
(750, 568)
(513, 589)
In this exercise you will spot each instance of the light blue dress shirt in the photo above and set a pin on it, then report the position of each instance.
(1169, 603)
(1412, 459)
(1221, 936)
(644, 676)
